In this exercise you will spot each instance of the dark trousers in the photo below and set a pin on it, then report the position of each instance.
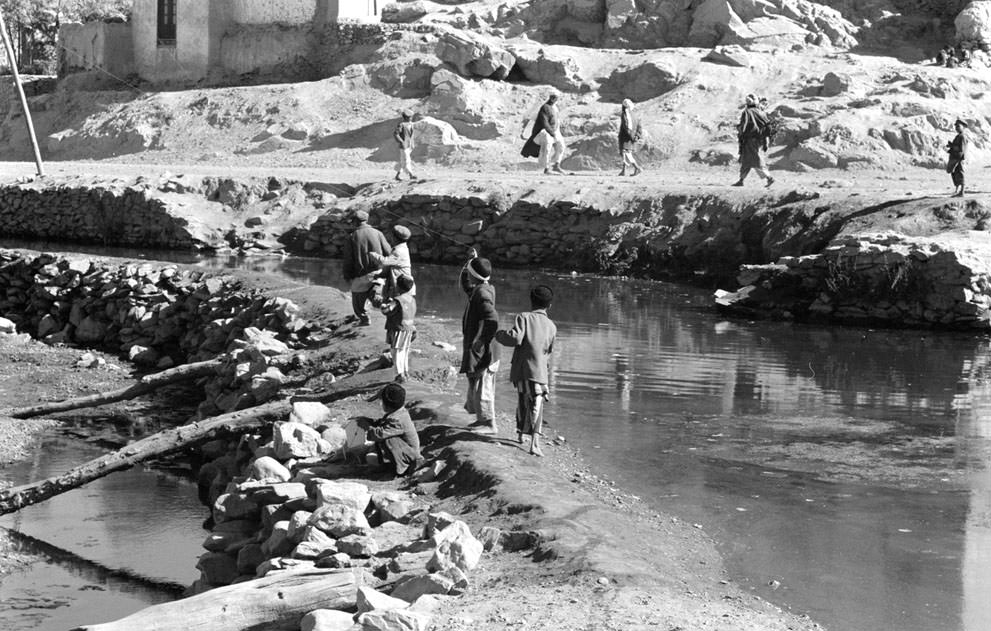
(957, 174)
(358, 301)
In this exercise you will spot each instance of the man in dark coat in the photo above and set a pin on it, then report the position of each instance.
(546, 141)
(480, 352)
(750, 132)
(360, 268)
(958, 151)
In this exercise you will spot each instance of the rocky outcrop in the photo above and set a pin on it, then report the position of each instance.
(549, 66)
(973, 25)
(472, 56)
(642, 82)
(884, 278)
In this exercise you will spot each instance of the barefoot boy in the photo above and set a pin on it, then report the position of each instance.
(399, 327)
(532, 339)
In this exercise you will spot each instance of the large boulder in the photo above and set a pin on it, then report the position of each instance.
(650, 79)
(464, 103)
(547, 65)
(473, 56)
(351, 494)
(295, 440)
(326, 620)
(457, 547)
(338, 521)
(973, 24)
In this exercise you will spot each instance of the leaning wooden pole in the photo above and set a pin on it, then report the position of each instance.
(20, 92)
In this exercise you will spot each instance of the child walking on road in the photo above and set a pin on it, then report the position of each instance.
(532, 339)
(404, 138)
(399, 328)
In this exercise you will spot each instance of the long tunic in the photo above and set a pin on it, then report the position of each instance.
(629, 128)
(532, 339)
(478, 327)
(752, 123)
(958, 152)
(358, 249)
(547, 119)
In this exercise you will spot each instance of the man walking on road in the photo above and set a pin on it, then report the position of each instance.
(546, 141)
(751, 134)
(957, 149)
(480, 351)
(360, 268)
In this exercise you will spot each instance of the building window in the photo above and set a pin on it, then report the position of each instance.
(166, 22)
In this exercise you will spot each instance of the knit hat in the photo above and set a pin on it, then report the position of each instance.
(392, 395)
(751, 99)
(402, 233)
(404, 283)
(480, 269)
(361, 215)
(541, 296)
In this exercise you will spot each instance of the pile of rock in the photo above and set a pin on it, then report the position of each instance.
(287, 506)
(886, 278)
(158, 316)
(118, 215)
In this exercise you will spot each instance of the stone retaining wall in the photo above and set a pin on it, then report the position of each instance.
(158, 315)
(885, 278)
(135, 216)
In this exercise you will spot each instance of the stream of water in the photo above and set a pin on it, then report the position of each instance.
(844, 471)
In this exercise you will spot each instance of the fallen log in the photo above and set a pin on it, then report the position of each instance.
(147, 384)
(277, 601)
(177, 439)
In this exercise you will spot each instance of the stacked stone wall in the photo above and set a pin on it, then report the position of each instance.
(171, 315)
(889, 279)
(129, 216)
(443, 227)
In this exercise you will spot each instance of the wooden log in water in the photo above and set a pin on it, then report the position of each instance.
(147, 384)
(275, 602)
(177, 439)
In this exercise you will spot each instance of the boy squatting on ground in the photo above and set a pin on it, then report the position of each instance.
(400, 331)
(532, 339)
(394, 435)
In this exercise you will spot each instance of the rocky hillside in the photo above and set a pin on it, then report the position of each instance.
(849, 79)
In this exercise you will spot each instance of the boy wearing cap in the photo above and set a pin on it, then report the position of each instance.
(532, 340)
(394, 435)
(480, 352)
(957, 149)
(398, 263)
(404, 137)
(399, 328)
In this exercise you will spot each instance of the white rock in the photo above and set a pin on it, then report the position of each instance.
(412, 588)
(444, 346)
(370, 600)
(456, 548)
(295, 440)
(351, 494)
(392, 505)
(268, 469)
(340, 521)
(265, 342)
(394, 620)
(358, 546)
(312, 413)
(7, 327)
(973, 24)
(326, 620)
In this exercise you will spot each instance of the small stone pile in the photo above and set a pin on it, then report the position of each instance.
(103, 214)
(285, 505)
(158, 316)
(885, 278)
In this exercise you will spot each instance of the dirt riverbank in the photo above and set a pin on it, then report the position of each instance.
(603, 559)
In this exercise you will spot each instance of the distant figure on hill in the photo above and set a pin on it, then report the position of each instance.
(942, 56)
(532, 340)
(545, 141)
(404, 138)
(629, 135)
(400, 330)
(957, 148)
(951, 57)
(480, 352)
(752, 136)
(394, 434)
(360, 268)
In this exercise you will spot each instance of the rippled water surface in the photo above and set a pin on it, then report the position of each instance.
(844, 471)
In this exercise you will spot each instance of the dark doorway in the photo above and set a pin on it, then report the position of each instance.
(166, 22)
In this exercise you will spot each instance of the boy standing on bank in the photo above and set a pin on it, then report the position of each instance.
(400, 311)
(532, 340)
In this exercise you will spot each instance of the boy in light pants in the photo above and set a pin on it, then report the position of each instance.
(399, 328)
(404, 137)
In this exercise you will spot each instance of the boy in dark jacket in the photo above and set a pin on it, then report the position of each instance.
(394, 434)
(480, 352)
(532, 338)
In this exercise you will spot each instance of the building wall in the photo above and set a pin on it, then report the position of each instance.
(189, 59)
(96, 45)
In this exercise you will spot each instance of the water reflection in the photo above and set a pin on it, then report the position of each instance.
(848, 467)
